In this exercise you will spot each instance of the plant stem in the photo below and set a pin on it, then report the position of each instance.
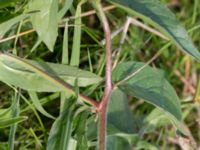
(108, 85)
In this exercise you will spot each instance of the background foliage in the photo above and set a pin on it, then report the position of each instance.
(35, 113)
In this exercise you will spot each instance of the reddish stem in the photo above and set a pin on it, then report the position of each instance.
(108, 86)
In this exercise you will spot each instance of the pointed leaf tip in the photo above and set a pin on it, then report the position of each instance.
(158, 15)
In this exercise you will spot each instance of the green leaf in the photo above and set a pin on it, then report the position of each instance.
(92, 128)
(66, 6)
(15, 114)
(72, 144)
(149, 84)
(117, 143)
(121, 128)
(59, 137)
(5, 26)
(158, 15)
(10, 121)
(38, 105)
(65, 50)
(5, 112)
(3, 146)
(45, 21)
(155, 119)
(5, 3)
(146, 145)
(118, 106)
(75, 58)
(80, 123)
(41, 76)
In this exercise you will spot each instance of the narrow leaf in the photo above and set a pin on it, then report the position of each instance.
(41, 76)
(37, 104)
(67, 4)
(77, 37)
(45, 21)
(72, 144)
(15, 114)
(80, 123)
(5, 112)
(149, 84)
(65, 54)
(5, 3)
(5, 26)
(157, 14)
(10, 121)
(59, 137)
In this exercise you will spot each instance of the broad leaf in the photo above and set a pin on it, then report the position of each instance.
(118, 106)
(149, 84)
(121, 125)
(5, 26)
(41, 76)
(157, 14)
(117, 143)
(45, 20)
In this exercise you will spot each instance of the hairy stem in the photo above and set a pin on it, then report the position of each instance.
(108, 85)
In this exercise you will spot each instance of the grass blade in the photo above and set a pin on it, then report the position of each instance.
(10, 121)
(5, 26)
(16, 119)
(67, 4)
(77, 37)
(37, 104)
(65, 56)
(60, 133)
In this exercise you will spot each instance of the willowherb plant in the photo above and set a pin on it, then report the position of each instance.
(75, 127)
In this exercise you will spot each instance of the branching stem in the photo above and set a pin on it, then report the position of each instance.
(108, 85)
